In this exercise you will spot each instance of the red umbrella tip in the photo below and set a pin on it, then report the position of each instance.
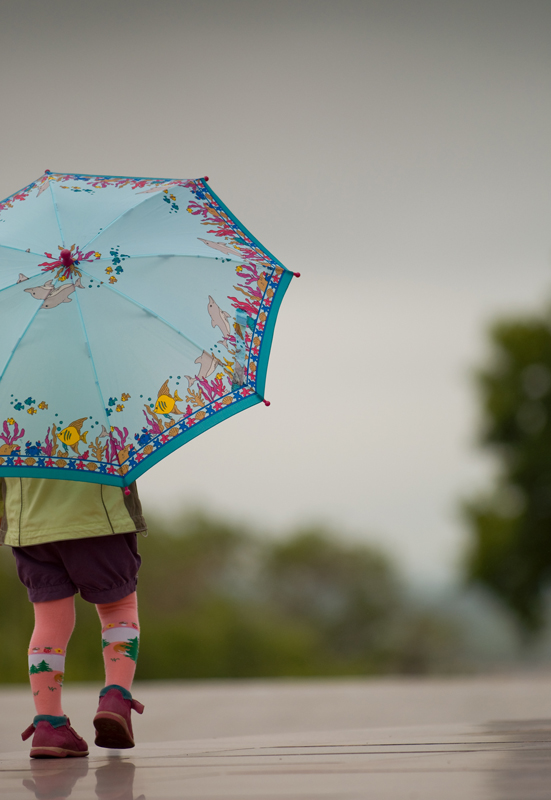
(67, 258)
(47, 171)
(296, 274)
(206, 178)
(266, 402)
(127, 491)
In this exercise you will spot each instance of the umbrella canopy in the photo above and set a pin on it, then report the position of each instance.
(136, 313)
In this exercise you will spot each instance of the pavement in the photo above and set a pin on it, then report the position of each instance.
(382, 739)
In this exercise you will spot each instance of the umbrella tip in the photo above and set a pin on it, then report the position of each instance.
(206, 178)
(296, 274)
(66, 257)
(127, 491)
(266, 402)
(47, 171)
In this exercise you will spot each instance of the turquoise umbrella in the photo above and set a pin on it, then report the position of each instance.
(136, 314)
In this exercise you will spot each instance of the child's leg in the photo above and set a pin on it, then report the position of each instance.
(121, 636)
(54, 623)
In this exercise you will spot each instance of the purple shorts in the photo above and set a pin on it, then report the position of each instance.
(103, 569)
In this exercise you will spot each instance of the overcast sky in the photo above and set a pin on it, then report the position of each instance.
(395, 153)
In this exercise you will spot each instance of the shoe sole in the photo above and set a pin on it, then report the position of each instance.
(56, 752)
(112, 731)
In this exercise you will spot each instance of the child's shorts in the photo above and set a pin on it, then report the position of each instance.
(103, 569)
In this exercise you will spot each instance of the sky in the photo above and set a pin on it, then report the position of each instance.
(396, 154)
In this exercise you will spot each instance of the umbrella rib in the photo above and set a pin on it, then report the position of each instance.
(177, 255)
(18, 283)
(148, 311)
(20, 250)
(51, 188)
(108, 424)
(127, 211)
(30, 322)
(29, 278)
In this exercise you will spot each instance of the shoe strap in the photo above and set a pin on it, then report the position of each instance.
(139, 707)
(28, 732)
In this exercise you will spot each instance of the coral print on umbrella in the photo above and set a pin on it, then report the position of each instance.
(10, 437)
(67, 264)
(65, 267)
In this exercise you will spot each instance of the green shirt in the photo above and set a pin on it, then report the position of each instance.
(37, 511)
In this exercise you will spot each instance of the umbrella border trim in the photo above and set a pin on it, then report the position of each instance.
(269, 328)
(140, 469)
(284, 281)
(191, 433)
(241, 226)
(76, 175)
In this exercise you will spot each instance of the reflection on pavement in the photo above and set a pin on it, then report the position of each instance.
(115, 781)
(55, 779)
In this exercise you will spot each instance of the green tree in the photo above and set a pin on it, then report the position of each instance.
(510, 548)
(42, 667)
(348, 592)
(131, 648)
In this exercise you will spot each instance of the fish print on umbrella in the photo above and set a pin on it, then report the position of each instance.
(166, 403)
(71, 435)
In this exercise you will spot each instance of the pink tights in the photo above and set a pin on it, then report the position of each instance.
(54, 624)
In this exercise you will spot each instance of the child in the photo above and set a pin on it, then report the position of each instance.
(69, 537)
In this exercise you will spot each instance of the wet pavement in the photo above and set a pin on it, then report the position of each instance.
(471, 738)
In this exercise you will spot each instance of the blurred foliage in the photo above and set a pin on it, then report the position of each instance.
(219, 602)
(510, 549)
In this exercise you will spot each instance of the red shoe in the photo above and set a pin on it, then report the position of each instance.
(112, 720)
(54, 738)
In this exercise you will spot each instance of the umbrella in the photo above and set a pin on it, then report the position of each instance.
(136, 314)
